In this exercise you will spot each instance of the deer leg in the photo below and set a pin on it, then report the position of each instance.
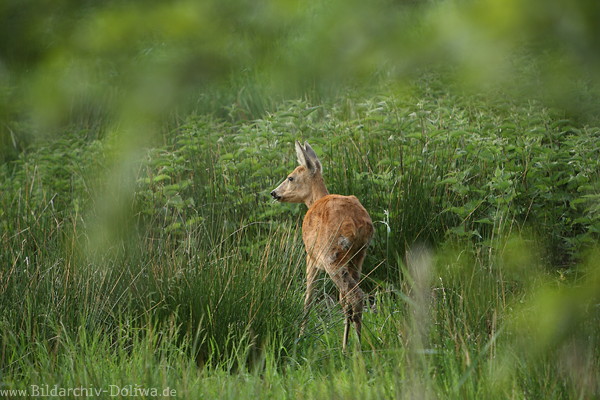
(355, 267)
(357, 317)
(311, 273)
(351, 298)
(347, 320)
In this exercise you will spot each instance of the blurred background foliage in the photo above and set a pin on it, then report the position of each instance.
(128, 65)
(139, 141)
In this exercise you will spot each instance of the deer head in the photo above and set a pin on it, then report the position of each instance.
(305, 184)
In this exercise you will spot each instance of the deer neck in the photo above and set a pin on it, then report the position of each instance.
(318, 190)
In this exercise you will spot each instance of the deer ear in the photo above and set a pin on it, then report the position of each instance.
(300, 154)
(312, 156)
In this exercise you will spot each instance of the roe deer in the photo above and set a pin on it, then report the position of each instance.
(336, 232)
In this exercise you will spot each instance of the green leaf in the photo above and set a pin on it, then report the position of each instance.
(160, 178)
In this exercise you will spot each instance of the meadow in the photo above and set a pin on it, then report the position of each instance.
(170, 269)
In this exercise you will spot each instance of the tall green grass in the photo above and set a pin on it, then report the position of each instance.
(172, 268)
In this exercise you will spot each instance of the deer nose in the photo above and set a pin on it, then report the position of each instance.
(275, 196)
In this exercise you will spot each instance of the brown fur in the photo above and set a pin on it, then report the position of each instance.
(336, 232)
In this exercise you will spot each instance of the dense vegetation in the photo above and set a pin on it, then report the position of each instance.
(142, 254)
(482, 276)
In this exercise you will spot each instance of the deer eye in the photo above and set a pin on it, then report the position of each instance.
(290, 178)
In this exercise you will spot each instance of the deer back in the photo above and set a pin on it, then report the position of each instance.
(335, 228)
